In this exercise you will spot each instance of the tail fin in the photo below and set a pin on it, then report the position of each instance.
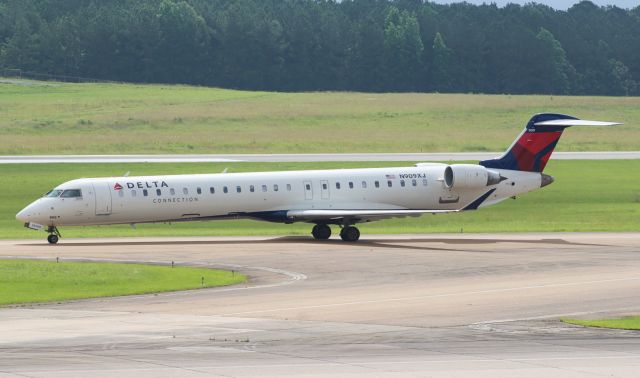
(532, 149)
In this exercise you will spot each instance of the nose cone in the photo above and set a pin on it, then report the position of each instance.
(24, 215)
(30, 213)
(546, 180)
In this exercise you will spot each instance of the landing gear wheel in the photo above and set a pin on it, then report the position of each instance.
(52, 239)
(321, 232)
(350, 234)
(54, 234)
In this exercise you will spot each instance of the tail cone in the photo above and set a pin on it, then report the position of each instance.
(546, 180)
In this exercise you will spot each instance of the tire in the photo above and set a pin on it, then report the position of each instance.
(321, 232)
(350, 234)
(52, 239)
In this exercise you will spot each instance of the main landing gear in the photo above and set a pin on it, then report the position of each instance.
(54, 235)
(350, 234)
(323, 232)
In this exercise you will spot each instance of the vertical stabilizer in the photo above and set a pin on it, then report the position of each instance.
(532, 149)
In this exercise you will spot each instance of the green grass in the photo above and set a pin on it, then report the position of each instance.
(27, 281)
(599, 195)
(627, 322)
(57, 118)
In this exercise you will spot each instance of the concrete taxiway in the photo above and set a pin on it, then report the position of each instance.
(264, 158)
(415, 305)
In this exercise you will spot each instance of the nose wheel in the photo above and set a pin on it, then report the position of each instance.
(54, 235)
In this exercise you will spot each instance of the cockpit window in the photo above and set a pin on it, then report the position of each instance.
(71, 193)
(53, 193)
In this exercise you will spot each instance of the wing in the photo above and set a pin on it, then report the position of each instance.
(357, 216)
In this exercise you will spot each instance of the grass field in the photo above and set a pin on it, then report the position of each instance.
(56, 118)
(627, 322)
(587, 196)
(25, 281)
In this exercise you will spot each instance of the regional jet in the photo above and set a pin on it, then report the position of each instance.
(323, 198)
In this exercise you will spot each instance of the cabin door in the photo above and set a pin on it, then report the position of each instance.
(324, 189)
(103, 198)
(308, 190)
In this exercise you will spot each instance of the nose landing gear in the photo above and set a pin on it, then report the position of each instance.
(54, 235)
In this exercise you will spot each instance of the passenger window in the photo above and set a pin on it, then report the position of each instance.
(252, 188)
(288, 187)
(414, 182)
(389, 183)
(350, 184)
(364, 185)
(199, 190)
(238, 189)
(145, 192)
(185, 191)
(337, 185)
(134, 193)
(377, 183)
(212, 190)
(275, 187)
(402, 183)
(424, 182)
(264, 188)
(71, 193)
(158, 192)
(172, 191)
(225, 189)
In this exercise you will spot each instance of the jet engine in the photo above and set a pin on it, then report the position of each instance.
(461, 176)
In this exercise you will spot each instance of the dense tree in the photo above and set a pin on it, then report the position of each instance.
(301, 45)
(403, 49)
(441, 63)
(555, 73)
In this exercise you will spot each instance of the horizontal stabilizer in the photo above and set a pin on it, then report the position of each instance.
(575, 122)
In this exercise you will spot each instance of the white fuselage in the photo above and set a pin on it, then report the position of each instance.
(262, 195)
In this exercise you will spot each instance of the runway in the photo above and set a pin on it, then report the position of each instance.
(450, 305)
(263, 158)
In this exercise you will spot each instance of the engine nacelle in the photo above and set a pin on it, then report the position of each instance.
(469, 176)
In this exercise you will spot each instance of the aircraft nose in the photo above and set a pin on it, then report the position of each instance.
(29, 213)
(23, 215)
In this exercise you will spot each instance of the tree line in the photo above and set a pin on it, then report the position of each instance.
(312, 45)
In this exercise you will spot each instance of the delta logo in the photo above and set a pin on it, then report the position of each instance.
(142, 185)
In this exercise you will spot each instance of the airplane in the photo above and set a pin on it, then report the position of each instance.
(339, 197)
